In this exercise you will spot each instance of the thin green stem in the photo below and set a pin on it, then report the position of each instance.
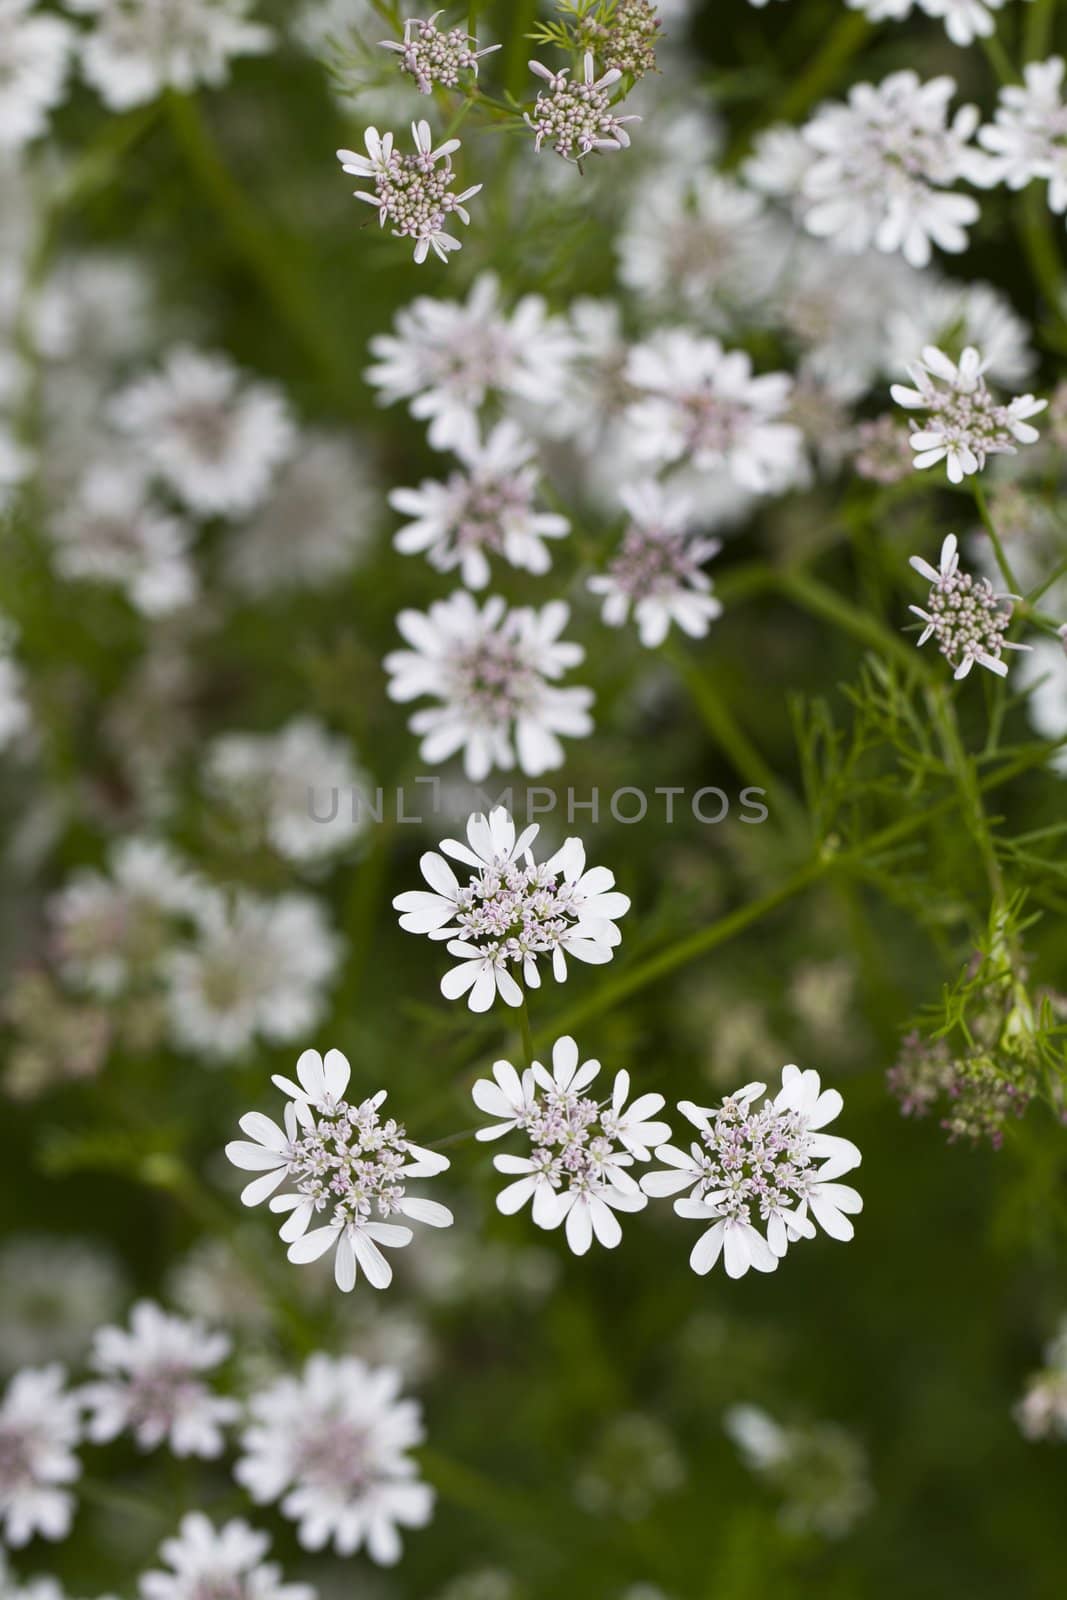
(963, 771)
(526, 1033)
(824, 602)
(994, 538)
(1034, 225)
(844, 40)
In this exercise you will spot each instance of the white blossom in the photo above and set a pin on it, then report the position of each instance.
(432, 57)
(752, 1174)
(111, 531)
(495, 672)
(35, 52)
(575, 115)
(577, 1175)
(1027, 138)
(14, 710)
(657, 568)
(54, 1291)
(885, 169)
(213, 437)
(512, 911)
(965, 425)
(138, 48)
(1042, 676)
(39, 1431)
(963, 614)
(332, 1446)
(337, 1158)
(209, 1563)
(154, 1384)
(413, 192)
(951, 316)
(964, 20)
(489, 508)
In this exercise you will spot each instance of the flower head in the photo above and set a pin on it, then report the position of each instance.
(34, 55)
(332, 1445)
(576, 116)
(752, 1173)
(1028, 137)
(581, 1149)
(39, 1430)
(494, 671)
(413, 192)
(512, 911)
(965, 424)
(340, 1160)
(138, 48)
(209, 1563)
(434, 58)
(963, 614)
(657, 568)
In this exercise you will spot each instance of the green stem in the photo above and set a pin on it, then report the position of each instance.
(526, 1033)
(822, 601)
(963, 770)
(1034, 225)
(844, 41)
(1037, 29)
(517, 49)
(1003, 563)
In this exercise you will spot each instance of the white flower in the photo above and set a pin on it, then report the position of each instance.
(432, 57)
(300, 787)
(327, 490)
(779, 163)
(495, 671)
(53, 1292)
(138, 48)
(512, 911)
(111, 531)
(487, 509)
(39, 1430)
(577, 1174)
(34, 57)
(576, 115)
(214, 439)
(657, 567)
(1043, 677)
(965, 424)
(152, 1384)
(94, 309)
(963, 615)
(332, 1446)
(1028, 136)
(342, 1159)
(965, 20)
(448, 358)
(207, 1562)
(257, 967)
(886, 165)
(14, 711)
(1042, 1412)
(413, 192)
(756, 1165)
(703, 405)
(952, 315)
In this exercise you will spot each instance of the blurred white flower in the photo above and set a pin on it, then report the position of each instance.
(577, 1173)
(213, 437)
(1042, 676)
(206, 1561)
(1028, 137)
(512, 911)
(965, 20)
(886, 164)
(342, 1159)
(327, 490)
(35, 52)
(93, 310)
(138, 48)
(494, 671)
(753, 1168)
(963, 614)
(111, 531)
(449, 357)
(152, 1384)
(413, 192)
(950, 316)
(487, 509)
(332, 1446)
(300, 787)
(17, 463)
(39, 1431)
(434, 58)
(657, 568)
(965, 424)
(576, 115)
(703, 405)
(14, 710)
(256, 967)
(54, 1291)
(819, 1470)
(1042, 1411)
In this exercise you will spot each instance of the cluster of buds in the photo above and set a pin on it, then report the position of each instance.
(434, 58)
(624, 34)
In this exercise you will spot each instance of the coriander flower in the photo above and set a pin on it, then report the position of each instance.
(965, 424)
(751, 1173)
(1042, 677)
(339, 1158)
(209, 1563)
(657, 569)
(413, 192)
(1028, 137)
(433, 58)
(152, 1384)
(886, 163)
(34, 55)
(512, 911)
(487, 509)
(494, 671)
(54, 1290)
(963, 614)
(15, 717)
(111, 531)
(39, 1431)
(332, 1446)
(964, 20)
(577, 1175)
(139, 48)
(1042, 1411)
(576, 116)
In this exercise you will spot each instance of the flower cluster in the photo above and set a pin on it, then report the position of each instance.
(761, 1175)
(627, 38)
(34, 57)
(139, 48)
(40, 1426)
(204, 1561)
(434, 58)
(1042, 1411)
(577, 1174)
(965, 425)
(820, 1471)
(657, 568)
(413, 192)
(964, 615)
(512, 911)
(575, 116)
(341, 1160)
(1027, 140)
